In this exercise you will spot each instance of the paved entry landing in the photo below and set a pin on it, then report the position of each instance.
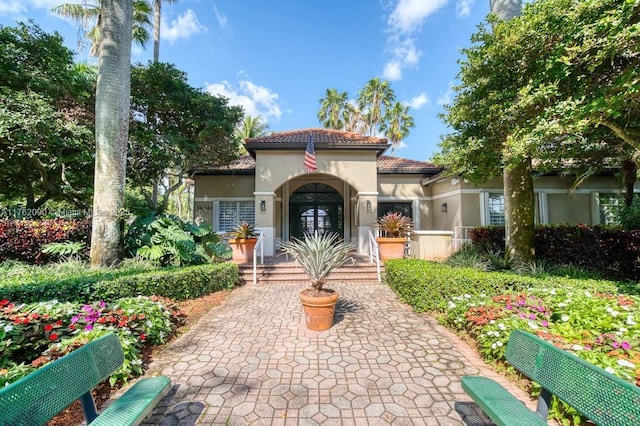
(251, 361)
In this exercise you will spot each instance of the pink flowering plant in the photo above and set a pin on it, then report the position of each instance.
(33, 334)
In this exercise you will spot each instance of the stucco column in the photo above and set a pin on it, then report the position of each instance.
(265, 220)
(366, 215)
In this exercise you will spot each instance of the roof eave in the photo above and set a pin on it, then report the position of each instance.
(253, 147)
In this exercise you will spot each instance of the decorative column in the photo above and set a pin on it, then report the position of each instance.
(265, 220)
(366, 215)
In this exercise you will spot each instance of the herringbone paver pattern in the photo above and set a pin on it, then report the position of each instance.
(252, 361)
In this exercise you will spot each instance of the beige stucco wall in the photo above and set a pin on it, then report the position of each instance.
(224, 186)
(358, 168)
(405, 188)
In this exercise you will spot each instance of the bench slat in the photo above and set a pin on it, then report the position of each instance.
(136, 403)
(598, 395)
(500, 405)
(37, 397)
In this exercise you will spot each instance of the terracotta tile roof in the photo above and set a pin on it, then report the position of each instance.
(386, 164)
(242, 165)
(389, 164)
(321, 137)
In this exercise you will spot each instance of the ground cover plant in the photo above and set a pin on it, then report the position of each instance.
(597, 320)
(33, 334)
(602, 328)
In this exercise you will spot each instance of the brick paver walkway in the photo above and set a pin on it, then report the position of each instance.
(252, 361)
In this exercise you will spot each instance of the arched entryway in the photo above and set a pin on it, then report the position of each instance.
(316, 207)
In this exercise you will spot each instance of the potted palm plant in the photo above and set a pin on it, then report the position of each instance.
(394, 230)
(318, 255)
(243, 240)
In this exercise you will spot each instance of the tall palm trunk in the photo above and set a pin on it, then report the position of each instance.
(518, 181)
(157, 13)
(112, 128)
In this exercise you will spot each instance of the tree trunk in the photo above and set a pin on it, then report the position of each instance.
(519, 212)
(518, 180)
(629, 177)
(112, 128)
(157, 11)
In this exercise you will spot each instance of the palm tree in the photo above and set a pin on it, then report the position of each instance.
(374, 98)
(397, 124)
(112, 111)
(157, 15)
(334, 109)
(252, 127)
(89, 13)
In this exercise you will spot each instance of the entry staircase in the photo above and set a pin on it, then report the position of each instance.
(280, 268)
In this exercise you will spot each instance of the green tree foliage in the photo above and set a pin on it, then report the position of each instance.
(46, 130)
(173, 127)
(559, 84)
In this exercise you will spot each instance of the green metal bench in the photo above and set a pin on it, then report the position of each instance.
(39, 396)
(596, 394)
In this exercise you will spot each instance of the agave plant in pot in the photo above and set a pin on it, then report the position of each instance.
(394, 228)
(243, 240)
(318, 255)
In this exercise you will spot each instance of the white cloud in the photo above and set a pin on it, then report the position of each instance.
(11, 7)
(418, 101)
(409, 15)
(392, 70)
(44, 4)
(407, 18)
(16, 7)
(463, 7)
(183, 27)
(254, 99)
(222, 19)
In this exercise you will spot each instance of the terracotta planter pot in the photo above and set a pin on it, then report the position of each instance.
(319, 310)
(391, 248)
(242, 249)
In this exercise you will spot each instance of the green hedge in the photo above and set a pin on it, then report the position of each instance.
(428, 286)
(87, 285)
(177, 284)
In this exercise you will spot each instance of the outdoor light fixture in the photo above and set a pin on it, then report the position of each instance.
(368, 205)
(263, 206)
(443, 208)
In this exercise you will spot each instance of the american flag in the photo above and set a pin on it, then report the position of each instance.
(310, 156)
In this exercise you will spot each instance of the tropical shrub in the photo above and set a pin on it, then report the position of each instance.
(167, 240)
(611, 252)
(23, 240)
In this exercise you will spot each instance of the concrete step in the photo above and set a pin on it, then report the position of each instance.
(290, 272)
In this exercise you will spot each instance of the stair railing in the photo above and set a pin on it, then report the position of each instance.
(259, 245)
(374, 254)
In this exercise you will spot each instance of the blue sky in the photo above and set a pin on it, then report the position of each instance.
(276, 58)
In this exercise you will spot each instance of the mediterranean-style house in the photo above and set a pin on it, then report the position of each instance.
(355, 183)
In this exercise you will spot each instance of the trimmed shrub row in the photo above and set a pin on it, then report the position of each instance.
(428, 286)
(22, 240)
(611, 252)
(90, 285)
